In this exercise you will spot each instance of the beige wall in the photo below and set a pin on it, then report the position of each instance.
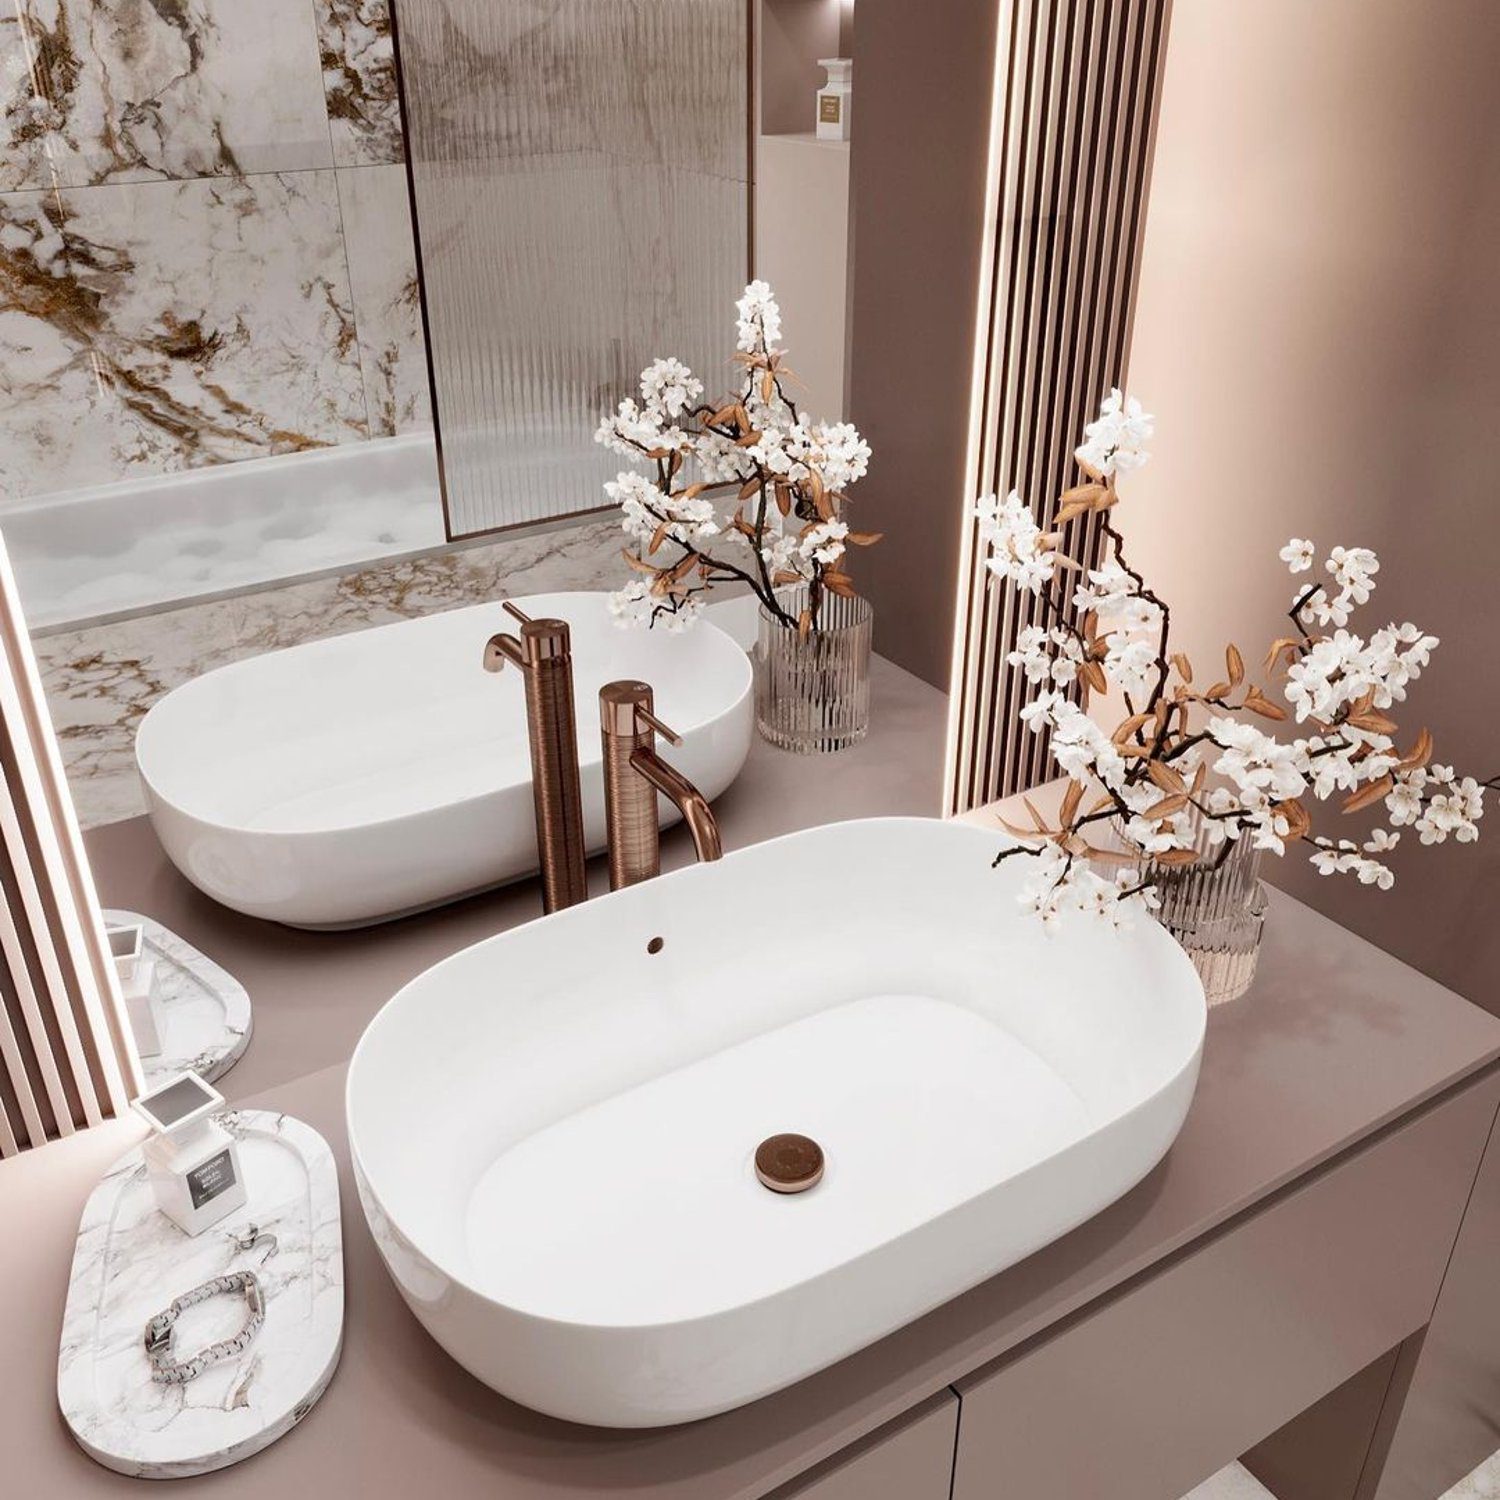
(1317, 334)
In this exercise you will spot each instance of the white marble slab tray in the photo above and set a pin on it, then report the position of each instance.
(203, 1012)
(131, 1261)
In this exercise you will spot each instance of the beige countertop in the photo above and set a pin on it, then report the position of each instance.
(1335, 1041)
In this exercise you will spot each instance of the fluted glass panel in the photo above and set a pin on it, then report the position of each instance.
(581, 172)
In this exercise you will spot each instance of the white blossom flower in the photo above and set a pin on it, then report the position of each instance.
(1258, 764)
(1115, 442)
(840, 455)
(1059, 885)
(630, 431)
(1131, 665)
(824, 543)
(668, 387)
(1297, 554)
(1017, 551)
(1047, 655)
(1381, 841)
(635, 605)
(644, 508)
(1354, 569)
(1404, 801)
(759, 324)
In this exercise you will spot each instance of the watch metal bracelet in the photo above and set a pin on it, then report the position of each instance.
(166, 1369)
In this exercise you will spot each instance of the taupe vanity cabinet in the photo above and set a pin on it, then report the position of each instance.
(1264, 1292)
(1144, 1394)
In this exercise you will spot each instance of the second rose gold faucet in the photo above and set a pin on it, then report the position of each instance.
(634, 773)
(633, 776)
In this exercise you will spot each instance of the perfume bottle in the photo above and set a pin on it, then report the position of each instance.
(835, 98)
(192, 1162)
(137, 971)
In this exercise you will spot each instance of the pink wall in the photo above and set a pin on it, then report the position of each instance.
(1317, 333)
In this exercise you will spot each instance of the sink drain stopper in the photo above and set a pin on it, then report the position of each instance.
(789, 1163)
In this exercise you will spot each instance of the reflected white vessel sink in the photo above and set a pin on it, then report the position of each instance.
(353, 779)
(553, 1131)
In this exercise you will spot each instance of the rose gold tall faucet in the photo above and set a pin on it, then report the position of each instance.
(544, 655)
(633, 775)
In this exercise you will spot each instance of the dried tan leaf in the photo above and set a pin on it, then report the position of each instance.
(1128, 727)
(1367, 796)
(1419, 754)
(1088, 496)
(1279, 648)
(1183, 665)
(1214, 693)
(1093, 674)
(747, 489)
(658, 537)
(1372, 722)
(1257, 702)
(804, 624)
(1235, 663)
(1070, 802)
(1176, 857)
(1166, 807)
(1036, 817)
(784, 576)
(864, 538)
(1165, 777)
(838, 583)
(783, 494)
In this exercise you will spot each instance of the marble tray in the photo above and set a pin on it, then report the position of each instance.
(204, 1013)
(130, 1262)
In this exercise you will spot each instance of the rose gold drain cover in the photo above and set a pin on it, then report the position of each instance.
(789, 1163)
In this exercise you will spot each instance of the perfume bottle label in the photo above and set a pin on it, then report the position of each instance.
(828, 108)
(215, 1176)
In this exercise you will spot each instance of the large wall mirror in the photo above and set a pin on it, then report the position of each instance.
(250, 398)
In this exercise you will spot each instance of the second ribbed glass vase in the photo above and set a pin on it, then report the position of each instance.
(812, 692)
(1216, 910)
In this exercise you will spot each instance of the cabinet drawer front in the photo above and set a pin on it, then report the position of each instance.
(911, 1459)
(1146, 1395)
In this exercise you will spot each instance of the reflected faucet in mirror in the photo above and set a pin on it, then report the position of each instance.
(544, 656)
(633, 776)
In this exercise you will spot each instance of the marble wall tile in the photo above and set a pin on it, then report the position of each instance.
(165, 325)
(101, 680)
(98, 91)
(387, 306)
(359, 77)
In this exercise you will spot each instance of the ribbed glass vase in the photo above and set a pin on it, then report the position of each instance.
(812, 693)
(1216, 910)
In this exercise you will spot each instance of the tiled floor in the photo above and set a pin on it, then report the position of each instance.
(1234, 1483)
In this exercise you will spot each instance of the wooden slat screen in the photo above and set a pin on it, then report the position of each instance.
(66, 1056)
(1076, 96)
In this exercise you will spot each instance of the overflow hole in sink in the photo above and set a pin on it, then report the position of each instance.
(656, 945)
(789, 1163)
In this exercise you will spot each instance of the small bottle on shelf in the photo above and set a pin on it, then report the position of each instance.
(835, 98)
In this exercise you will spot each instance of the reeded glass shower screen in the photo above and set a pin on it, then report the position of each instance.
(581, 178)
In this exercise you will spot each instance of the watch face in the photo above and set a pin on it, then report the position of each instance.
(171, 1105)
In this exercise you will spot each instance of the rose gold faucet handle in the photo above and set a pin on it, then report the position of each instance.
(515, 611)
(645, 716)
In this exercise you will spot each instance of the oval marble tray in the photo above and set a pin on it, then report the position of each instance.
(204, 1013)
(130, 1261)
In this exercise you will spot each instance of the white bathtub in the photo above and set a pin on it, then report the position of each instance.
(116, 549)
(350, 780)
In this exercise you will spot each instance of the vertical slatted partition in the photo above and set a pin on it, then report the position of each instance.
(66, 1056)
(1075, 105)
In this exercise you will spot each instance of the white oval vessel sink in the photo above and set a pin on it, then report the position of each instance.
(553, 1131)
(349, 780)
